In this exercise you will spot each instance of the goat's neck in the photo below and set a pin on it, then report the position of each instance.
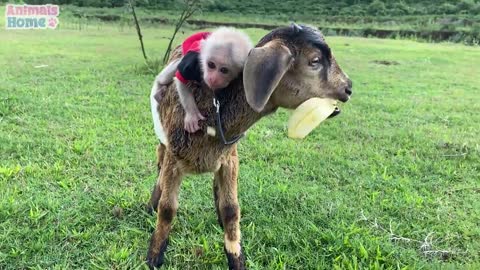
(236, 115)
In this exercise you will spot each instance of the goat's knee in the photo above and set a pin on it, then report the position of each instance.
(230, 216)
(166, 213)
(231, 221)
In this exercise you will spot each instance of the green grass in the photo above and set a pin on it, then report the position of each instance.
(77, 153)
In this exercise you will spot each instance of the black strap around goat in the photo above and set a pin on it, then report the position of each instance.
(218, 121)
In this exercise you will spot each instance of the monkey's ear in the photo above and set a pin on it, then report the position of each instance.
(263, 70)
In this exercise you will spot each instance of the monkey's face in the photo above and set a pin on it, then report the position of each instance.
(219, 70)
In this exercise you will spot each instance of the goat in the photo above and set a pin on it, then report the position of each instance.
(288, 66)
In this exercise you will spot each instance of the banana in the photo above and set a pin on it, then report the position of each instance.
(308, 116)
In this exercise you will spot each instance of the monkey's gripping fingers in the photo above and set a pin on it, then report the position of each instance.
(191, 121)
(200, 116)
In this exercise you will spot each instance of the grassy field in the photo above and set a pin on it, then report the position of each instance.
(391, 183)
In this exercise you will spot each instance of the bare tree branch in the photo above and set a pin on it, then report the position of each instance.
(189, 8)
(137, 26)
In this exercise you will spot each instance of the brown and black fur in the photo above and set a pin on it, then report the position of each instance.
(196, 153)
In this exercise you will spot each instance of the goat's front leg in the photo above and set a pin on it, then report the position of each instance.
(157, 188)
(170, 181)
(226, 202)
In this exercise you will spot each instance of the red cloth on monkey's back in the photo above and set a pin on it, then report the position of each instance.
(192, 43)
(189, 67)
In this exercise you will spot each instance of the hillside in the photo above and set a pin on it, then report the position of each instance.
(303, 8)
(435, 21)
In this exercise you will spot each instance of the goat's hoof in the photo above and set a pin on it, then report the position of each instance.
(149, 208)
(155, 257)
(154, 264)
(234, 262)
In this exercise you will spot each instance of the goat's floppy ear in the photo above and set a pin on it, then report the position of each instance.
(263, 70)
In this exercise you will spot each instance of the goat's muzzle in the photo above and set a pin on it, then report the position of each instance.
(344, 95)
(345, 91)
(335, 112)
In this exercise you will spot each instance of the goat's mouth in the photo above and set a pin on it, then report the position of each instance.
(338, 96)
(335, 112)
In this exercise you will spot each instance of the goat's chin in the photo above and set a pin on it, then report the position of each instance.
(342, 97)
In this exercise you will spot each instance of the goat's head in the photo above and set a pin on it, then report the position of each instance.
(291, 65)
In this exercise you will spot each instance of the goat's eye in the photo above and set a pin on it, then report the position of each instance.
(211, 65)
(224, 70)
(314, 62)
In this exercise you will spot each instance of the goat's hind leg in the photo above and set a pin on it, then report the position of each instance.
(157, 188)
(170, 179)
(216, 181)
(229, 211)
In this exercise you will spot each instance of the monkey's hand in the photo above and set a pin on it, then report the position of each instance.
(191, 121)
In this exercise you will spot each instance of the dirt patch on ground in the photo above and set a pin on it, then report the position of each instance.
(385, 62)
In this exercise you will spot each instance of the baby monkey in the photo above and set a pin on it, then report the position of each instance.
(213, 57)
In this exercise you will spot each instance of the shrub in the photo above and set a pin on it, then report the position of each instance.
(448, 27)
(400, 8)
(476, 29)
(476, 9)
(217, 6)
(377, 7)
(465, 5)
(447, 8)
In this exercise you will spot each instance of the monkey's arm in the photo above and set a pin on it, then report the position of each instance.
(192, 114)
(186, 97)
(166, 76)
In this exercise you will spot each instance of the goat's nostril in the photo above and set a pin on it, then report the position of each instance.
(348, 90)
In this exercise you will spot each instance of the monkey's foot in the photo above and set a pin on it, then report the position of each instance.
(161, 90)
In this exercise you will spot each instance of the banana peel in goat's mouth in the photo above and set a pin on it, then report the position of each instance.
(309, 115)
